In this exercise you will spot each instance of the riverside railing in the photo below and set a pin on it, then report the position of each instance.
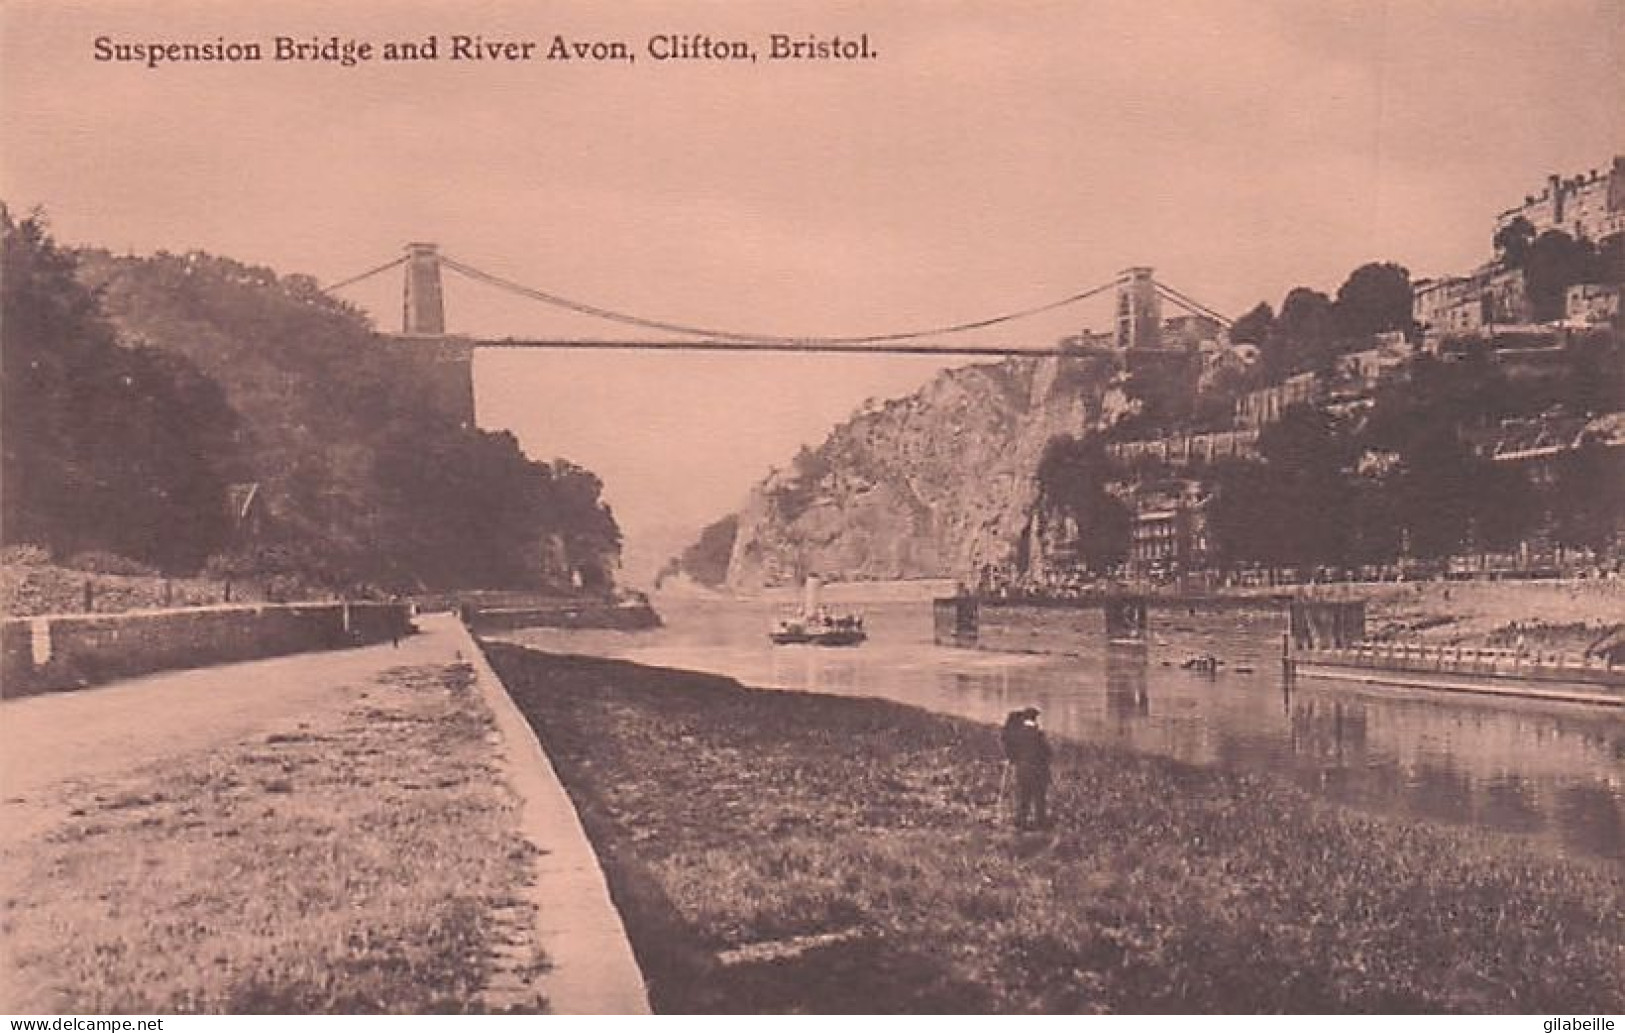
(1468, 661)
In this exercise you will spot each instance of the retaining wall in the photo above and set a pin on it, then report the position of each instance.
(72, 651)
(627, 617)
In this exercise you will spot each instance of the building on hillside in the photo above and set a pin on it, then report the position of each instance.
(1592, 303)
(1365, 370)
(1169, 533)
(1447, 305)
(1187, 449)
(1192, 332)
(1506, 296)
(1222, 360)
(1087, 340)
(1465, 305)
(1586, 207)
(1590, 206)
(1550, 434)
(1264, 406)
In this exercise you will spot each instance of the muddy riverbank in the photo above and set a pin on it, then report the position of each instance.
(785, 851)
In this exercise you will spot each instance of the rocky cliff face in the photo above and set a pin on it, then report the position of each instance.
(933, 485)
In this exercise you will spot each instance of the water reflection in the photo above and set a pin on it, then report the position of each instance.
(1553, 772)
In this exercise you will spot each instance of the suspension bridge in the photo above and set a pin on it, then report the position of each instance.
(1138, 321)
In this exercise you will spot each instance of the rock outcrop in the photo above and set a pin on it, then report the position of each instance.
(936, 484)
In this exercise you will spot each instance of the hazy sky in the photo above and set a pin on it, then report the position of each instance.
(992, 156)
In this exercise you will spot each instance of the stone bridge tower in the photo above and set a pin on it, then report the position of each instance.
(424, 311)
(1139, 310)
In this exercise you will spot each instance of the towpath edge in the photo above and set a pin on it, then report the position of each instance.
(593, 970)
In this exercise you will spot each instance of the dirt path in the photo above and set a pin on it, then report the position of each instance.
(321, 833)
(52, 743)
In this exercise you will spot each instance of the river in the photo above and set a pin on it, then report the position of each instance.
(1554, 773)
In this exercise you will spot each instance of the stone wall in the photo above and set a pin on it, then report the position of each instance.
(45, 654)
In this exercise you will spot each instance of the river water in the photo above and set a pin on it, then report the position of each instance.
(1554, 773)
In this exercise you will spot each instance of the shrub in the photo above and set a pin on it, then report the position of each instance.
(25, 555)
(96, 562)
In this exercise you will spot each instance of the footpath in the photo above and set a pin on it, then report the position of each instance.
(166, 775)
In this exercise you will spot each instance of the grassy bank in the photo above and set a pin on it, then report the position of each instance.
(360, 862)
(787, 851)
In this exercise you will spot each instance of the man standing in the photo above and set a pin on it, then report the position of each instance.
(1027, 750)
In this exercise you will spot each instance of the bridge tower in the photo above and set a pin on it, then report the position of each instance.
(1139, 309)
(424, 311)
(443, 364)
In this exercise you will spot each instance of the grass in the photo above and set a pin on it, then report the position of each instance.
(782, 851)
(360, 864)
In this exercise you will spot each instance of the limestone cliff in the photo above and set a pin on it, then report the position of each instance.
(932, 485)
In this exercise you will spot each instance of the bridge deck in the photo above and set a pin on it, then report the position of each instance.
(807, 347)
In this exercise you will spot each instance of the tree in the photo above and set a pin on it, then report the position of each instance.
(1306, 315)
(1512, 242)
(107, 448)
(1303, 334)
(1447, 498)
(1241, 514)
(1072, 479)
(1305, 456)
(1595, 379)
(1376, 298)
(1504, 504)
(574, 504)
(1434, 492)
(1555, 263)
(1375, 530)
(1610, 264)
(1254, 327)
(1295, 505)
(1588, 496)
(366, 479)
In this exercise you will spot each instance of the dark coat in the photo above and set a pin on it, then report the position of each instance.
(1027, 750)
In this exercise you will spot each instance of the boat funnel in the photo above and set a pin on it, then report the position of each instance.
(812, 594)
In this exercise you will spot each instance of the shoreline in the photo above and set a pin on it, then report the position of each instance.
(783, 851)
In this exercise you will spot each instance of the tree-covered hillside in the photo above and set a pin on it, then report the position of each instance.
(126, 450)
(236, 375)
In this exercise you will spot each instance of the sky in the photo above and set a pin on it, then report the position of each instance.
(990, 156)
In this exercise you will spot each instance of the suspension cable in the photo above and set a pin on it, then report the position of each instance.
(1186, 301)
(729, 335)
(330, 288)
